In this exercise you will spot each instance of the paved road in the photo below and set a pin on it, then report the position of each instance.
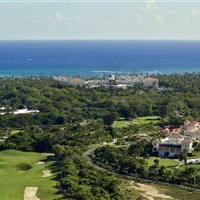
(87, 155)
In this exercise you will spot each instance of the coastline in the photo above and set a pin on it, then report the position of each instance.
(99, 75)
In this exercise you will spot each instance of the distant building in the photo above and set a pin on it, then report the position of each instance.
(191, 128)
(111, 79)
(150, 81)
(76, 81)
(71, 81)
(120, 81)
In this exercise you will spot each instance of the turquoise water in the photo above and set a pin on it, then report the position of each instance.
(88, 58)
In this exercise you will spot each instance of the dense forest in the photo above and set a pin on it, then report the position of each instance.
(72, 118)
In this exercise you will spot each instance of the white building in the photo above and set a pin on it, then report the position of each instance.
(172, 145)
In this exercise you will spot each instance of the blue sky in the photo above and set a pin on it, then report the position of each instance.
(110, 20)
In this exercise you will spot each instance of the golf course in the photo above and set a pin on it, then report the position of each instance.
(139, 120)
(21, 170)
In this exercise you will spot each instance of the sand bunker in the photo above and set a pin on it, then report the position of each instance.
(40, 163)
(46, 173)
(30, 193)
(150, 191)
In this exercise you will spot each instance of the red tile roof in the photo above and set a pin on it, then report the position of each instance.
(150, 79)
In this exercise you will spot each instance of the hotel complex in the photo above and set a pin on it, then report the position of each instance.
(120, 81)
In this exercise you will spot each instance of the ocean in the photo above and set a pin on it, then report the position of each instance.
(94, 58)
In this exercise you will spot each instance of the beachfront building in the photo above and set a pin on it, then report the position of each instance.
(150, 82)
(70, 81)
(76, 81)
(111, 79)
(119, 81)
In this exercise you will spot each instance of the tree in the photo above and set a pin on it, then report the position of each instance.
(136, 149)
(58, 150)
(156, 162)
(109, 119)
(183, 157)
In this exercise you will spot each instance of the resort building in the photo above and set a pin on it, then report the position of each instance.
(191, 128)
(76, 81)
(119, 81)
(70, 81)
(150, 81)
(172, 145)
(111, 79)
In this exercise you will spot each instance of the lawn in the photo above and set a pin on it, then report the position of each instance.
(148, 119)
(19, 170)
(121, 124)
(163, 162)
(195, 166)
(138, 120)
(14, 131)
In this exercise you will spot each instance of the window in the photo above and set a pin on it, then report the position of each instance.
(172, 150)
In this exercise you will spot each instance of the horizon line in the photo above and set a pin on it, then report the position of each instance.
(98, 39)
(99, 1)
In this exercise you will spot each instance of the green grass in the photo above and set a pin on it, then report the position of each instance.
(19, 170)
(121, 124)
(148, 119)
(196, 154)
(163, 162)
(23, 167)
(14, 131)
(195, 166)
(139, 120)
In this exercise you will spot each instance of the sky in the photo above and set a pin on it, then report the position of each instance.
(102, 19)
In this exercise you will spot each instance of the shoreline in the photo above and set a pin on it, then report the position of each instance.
(99, 75)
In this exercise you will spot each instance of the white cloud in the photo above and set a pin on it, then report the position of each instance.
(150, 19)
(195, 13)
(153, 14)
(141, 20)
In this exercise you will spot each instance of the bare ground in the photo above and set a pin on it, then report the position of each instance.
(30, 193)
(149, 191)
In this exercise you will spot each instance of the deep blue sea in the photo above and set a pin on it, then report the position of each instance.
(91, 58)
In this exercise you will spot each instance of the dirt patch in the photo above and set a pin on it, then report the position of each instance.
(30, 193)
(46, 173)
(149, 191)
